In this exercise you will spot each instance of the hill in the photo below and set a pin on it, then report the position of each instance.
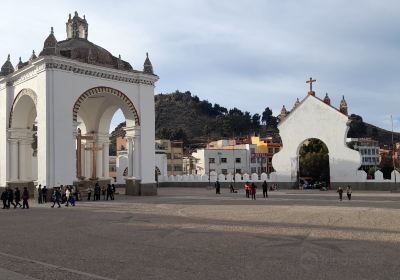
(183, 116)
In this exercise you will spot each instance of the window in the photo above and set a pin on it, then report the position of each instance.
(169, 167)
(252, 150)
(253, 170)
(238, 160)
(177, 156)
(239, 171)
(270, 150)
(270, 159)
(168, 155)
(177, 167)
(224, 171)
(276, 150)
(369, 151)
(211, 160)
(223, 160)
(253, 160)
(373, 151)
(212, 170)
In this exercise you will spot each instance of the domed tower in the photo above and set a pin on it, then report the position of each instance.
(7, 67)
(77, 27)
(147, 66)
(283, 113)
(296, 104)
(343, 106)
(50, 45)
(327, 100)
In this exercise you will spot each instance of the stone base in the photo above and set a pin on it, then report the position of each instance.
(21, 185)
(136, 188)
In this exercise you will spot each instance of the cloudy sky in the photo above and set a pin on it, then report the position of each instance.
(245, 54)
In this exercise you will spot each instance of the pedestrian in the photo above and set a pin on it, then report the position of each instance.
(265, 189)
(25, 197)
(10, 198)
(44, 193)
(89, 193)
(109, 191)
(67, 196)
(232, 189)
(4, 198)
(247, 188)
(56, 197)
(349, 192)
(17, 197)
(40, 194)
(340, 192)
(253, 191)
(104, 191)
(217, 187)
(97, 191)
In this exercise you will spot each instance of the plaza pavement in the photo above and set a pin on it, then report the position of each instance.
(192, 233)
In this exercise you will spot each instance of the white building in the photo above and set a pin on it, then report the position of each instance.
(69, 94)
(369, 150)
(225, 157)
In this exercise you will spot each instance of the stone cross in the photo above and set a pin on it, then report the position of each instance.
(310, 82)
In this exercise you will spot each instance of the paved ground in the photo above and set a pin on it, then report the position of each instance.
(192, 234)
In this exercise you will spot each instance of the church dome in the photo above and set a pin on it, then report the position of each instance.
(78, 47)
(7, 67)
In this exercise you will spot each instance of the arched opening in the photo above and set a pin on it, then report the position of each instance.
(23, 138)
(94, 113)
(313, 169)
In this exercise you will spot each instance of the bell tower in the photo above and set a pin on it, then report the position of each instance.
(77, 27)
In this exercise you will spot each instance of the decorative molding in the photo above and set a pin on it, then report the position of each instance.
(24, 92)
(107, 90)
(97, 73)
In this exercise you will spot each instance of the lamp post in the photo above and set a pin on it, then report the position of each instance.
(393, 150)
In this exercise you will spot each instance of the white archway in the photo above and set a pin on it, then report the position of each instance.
(22, 137)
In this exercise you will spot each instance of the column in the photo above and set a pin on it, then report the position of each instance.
(83, 160)
(130, 156)
(136, 158)
(106, 159)
(88, 160)
(25, 159)
(99, 160)
(13, 148)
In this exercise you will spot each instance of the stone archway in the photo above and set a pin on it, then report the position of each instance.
(22, 137)
(93, 111)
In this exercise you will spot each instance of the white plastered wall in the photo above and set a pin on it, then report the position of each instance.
(315, 119)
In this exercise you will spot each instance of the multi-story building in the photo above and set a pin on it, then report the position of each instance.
(265, 150)
(369, 150)
(225, 157)
(174, 152)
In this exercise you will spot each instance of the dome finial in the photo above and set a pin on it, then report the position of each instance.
(20, 60)
(147, 66)
(8, 57)
(76, 13)
(51, 30)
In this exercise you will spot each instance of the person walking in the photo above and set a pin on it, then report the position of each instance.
(67, 196)
(40, 194)
(113, 191)
(10, 198)
(217, 187)
(340, 192)
(97, 191)
(109, 191)
(44, 193)
(104, 191)
(349, 192)
(89, 193)
(56, 197)
(265, 189)
(253, 191)
(247, 188)
(4, 198)
(17, 197)
(25, 197)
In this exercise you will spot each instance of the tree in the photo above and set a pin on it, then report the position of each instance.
(255, 122)
(314, 160)
(269, 119)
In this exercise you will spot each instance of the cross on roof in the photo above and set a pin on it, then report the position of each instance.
(310, 82)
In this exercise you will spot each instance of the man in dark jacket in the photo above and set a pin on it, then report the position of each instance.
(17, 197)
(25, 197)
(265, 189)
(10, 198)
(56, 197)
(217, 187)
(44, 192)
(109, 192)
(4, 198)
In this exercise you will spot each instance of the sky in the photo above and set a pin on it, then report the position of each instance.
(247, 54)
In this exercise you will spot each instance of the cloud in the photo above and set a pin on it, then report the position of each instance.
(245, 54)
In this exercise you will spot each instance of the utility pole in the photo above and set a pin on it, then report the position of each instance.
(393, 150)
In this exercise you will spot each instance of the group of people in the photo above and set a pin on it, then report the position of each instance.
(348, 192)
(251, 190)
(107, 192)
(66, 195)
(10, 197)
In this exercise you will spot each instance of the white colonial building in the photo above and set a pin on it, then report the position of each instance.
(225, 157)
(56, 111)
